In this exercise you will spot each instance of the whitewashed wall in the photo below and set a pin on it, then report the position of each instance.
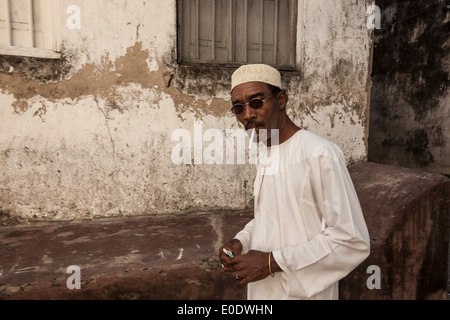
(90, 136)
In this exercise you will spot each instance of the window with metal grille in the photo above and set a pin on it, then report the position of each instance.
(235, 32)
(29, 28)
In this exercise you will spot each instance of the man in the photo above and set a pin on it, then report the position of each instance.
(308, 230)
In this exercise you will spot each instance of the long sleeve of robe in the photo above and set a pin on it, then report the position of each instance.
(308, 214)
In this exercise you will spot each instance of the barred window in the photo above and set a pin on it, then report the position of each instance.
(235, 32)
(29, 28)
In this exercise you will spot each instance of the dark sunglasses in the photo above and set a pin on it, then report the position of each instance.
(254, 104)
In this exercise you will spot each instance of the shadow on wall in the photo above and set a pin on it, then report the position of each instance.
(410, 101)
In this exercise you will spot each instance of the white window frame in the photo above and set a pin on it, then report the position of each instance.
(190, 36)
(51, 28)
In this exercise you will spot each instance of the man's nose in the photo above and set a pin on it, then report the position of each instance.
(249, 113)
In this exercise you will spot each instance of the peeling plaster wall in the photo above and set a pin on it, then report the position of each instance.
(410, 104)
(89, 136)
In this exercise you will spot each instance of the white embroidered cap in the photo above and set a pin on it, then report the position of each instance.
(256, 72)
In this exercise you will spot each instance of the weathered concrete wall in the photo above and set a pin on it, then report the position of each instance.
(407, 214)
(176, 257)
(146, 258)
(410, 101)
(89, 136)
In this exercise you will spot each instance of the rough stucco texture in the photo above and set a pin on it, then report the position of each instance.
(176, 257)
(410, 101)
(89, 136)
(406, 211)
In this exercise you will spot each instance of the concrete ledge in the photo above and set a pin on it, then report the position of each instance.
(176, 257)
(407, 214)
(151, 258)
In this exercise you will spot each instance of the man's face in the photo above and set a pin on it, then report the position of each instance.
(267, 116)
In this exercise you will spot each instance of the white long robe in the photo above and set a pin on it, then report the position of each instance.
(308, 214)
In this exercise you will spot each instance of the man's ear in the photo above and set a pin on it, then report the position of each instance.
(282, 99)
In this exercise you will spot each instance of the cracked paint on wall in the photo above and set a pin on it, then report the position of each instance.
(89, 136)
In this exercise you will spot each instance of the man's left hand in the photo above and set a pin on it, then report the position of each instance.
(251, 267)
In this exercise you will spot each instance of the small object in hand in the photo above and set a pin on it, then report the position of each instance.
(228, 253)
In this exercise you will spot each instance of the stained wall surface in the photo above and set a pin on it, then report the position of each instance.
(90, 135)
(410, 100)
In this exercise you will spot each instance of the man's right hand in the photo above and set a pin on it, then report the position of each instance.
(235, 246)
